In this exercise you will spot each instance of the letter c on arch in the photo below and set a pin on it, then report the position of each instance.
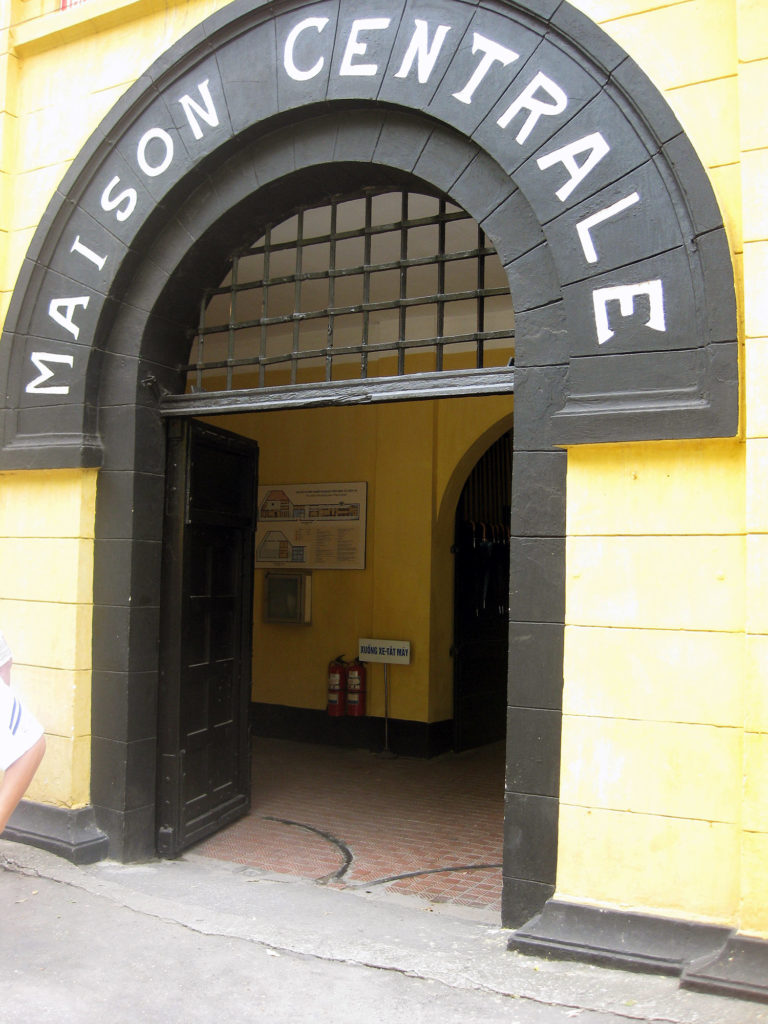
(297, 74)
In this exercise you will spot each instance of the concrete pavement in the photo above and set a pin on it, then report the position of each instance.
(198, 940)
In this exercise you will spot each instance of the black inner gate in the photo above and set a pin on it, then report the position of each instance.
(481, 599)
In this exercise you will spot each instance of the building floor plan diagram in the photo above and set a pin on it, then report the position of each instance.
(313, 526)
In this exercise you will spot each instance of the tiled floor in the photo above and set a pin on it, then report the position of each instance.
(349, 818)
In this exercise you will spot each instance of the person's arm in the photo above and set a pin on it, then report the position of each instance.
(17, 779)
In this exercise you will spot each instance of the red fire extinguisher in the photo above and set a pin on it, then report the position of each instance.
(356, 689)
(337, 687)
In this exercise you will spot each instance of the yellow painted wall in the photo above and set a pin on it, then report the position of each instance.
(665, 732)
(63, 71)
(46, 551)
(415, 458)
(55, 86)
(654, 670)
(753, 81)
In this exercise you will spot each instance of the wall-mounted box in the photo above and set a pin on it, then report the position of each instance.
(288, 597)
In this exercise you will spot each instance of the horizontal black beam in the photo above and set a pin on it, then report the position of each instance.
(347, 392)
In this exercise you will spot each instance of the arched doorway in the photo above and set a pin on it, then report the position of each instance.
(530, 120)
(382, 285)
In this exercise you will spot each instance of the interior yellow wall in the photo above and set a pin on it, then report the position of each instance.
(46, 551)
(414, 458)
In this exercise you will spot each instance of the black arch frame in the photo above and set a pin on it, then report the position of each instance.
(273, 137)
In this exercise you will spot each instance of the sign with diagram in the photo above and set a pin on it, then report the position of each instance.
(312, 526)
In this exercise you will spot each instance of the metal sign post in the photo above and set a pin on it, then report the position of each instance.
(386, 652)
(386, 752)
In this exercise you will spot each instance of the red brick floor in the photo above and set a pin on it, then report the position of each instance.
(349, 818)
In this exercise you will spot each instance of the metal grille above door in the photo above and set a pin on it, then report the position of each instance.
(377, 284)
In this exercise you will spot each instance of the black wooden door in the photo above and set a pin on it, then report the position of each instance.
(205, 659)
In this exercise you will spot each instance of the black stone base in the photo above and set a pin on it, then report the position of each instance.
(612, 938)
(740, 969)
(706, 957)
(308, 725)
(521, 898)
(71, 834)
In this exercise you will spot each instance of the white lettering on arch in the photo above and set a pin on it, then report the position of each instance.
(527, 100)
(123, 204)
(40, 361)
(89, 254)
(193, 110)
(356, 48)
(593, 145)
(297, 74)
(62, 310)
(492, 52)
(419, 50)
(625, 295)
(153, 170)
(585, 226)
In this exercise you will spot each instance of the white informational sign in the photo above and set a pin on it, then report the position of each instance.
(391, 652)
(311, 526)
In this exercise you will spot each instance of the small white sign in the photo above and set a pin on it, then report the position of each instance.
(392, 652)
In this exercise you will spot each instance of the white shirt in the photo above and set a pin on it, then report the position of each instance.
(19, 730)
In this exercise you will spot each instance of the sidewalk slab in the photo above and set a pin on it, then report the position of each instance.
(187, 916)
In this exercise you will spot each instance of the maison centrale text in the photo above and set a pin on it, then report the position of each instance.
(540, 100)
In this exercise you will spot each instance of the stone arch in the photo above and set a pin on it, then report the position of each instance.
(159, 306)
(618, 260)
(526, 115)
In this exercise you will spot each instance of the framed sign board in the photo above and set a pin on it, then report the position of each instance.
(312, 526)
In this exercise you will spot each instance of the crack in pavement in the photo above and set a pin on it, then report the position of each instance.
(223, 924)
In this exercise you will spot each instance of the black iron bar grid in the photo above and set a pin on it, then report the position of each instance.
(237, 348)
